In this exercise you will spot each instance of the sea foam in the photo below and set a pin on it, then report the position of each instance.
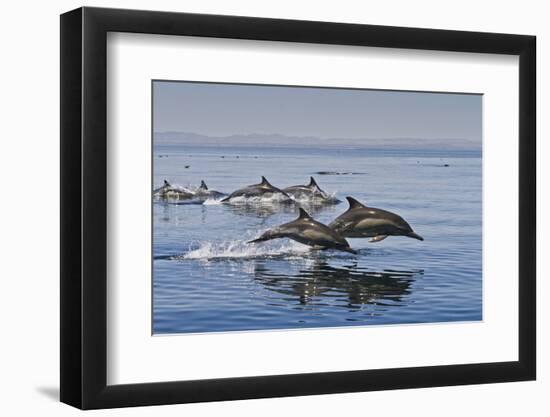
(239, 249)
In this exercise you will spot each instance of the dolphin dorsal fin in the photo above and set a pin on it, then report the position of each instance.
(353, 203)
(265, 181)
(166, 183)
(303, 214)
(203, 185)
(312, 183)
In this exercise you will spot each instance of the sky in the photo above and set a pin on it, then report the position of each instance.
(217, 109)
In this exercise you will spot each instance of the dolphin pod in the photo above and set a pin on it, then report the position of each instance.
(358, 221)
(170, 192)
(262, 192)
(308, 232)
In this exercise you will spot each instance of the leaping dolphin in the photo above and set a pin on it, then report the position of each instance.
(311, 192)
(309, 232)
(203, 191)
(165, 186)
(262, 190)
(362, 221)
(168, 191)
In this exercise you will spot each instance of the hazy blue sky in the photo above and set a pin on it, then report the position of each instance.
(227, 109)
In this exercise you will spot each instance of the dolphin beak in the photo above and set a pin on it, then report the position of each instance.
(256, 240)
(415, 236)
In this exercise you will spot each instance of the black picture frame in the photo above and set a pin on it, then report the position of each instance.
(84, 207)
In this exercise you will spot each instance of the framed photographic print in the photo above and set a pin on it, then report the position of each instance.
(258, 207)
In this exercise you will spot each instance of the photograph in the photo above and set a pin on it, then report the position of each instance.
(283, 204)
(279, 207)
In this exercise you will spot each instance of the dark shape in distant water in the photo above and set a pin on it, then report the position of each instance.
(446, 165)
(362, 221)
(309, 232)
(339, 173)
(263, 190)
(187, 166)
(168, 191)
(311, 192)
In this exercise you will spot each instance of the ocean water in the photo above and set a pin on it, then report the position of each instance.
(207, 279)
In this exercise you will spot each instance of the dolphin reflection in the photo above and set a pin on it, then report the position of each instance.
(266, 210)
(349, 283)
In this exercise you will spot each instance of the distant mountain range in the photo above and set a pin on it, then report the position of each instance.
(260, 139)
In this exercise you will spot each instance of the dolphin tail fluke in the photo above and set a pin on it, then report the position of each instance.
(203, 185)
(414, 236)
(166, 183)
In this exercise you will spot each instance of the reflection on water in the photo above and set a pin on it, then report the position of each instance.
(257, 209)
(265, 210)
(260, 210)
(253, 291)
(348, 283)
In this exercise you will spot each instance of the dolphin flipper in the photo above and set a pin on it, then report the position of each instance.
(378, 238)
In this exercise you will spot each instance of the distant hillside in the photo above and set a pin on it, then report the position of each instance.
(254, 139)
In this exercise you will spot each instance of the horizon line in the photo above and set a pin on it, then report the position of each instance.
(312, 136)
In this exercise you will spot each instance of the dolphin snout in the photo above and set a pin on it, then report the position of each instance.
(260, 239)
(415, 236)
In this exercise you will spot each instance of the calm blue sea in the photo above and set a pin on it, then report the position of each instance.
(207, 279)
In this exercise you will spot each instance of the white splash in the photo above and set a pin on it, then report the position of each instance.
(263, 199)
(213, 201)
(187, 188)
(315, 199)
(239, 249)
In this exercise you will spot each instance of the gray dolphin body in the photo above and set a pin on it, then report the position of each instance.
(309, 232)
(168, 191)
(310, 192)
(204, 192)
(262, 190)
(363, 221)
